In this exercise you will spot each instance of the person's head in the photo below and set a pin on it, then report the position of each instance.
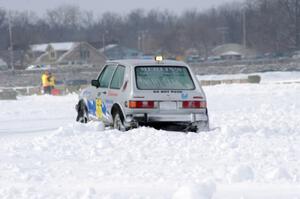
(47, 72)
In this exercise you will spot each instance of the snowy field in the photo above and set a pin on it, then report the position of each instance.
(268, 77)
(252, 153)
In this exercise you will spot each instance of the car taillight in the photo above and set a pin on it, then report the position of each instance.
(142, 104)
(194, 104)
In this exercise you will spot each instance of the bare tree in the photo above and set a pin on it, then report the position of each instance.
(3, 30)
(267, 26)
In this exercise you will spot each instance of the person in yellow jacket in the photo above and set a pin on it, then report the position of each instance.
(46, 82)
(51, 81)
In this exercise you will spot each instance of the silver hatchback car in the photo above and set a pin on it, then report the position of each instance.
(131, 93)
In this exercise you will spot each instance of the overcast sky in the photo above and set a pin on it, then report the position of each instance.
(120, 6)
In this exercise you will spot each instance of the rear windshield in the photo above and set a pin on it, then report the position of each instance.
(163, 78)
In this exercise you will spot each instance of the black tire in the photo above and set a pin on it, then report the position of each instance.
(118, 121)
(82, 112)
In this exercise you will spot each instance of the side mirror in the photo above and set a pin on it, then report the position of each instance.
(95, 83)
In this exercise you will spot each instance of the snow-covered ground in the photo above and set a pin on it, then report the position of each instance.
(268, 77)
(252, 153)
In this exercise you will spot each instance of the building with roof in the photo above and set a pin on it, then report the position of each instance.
(62, 46)
(19, 59)
(3, 65)
(231, 55)
(65, 54)
(234, 51)
(82, 54)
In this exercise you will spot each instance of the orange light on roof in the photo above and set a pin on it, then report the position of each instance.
(158, 58)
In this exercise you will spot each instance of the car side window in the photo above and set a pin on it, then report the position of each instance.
(106, 76)
(118, 78)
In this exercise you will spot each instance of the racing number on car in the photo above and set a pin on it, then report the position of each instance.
(99, 112)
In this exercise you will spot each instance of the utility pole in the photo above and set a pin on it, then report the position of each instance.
(244, 29)
(142, 34)
(139, 40)
(11, 50)
(224, 33)
(297, 24)
(103, 43)
(103, 40)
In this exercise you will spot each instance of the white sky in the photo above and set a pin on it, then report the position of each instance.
(120, 6)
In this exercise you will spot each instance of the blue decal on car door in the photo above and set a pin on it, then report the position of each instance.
(92, 107)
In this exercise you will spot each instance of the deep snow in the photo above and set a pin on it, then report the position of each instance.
(253, 151)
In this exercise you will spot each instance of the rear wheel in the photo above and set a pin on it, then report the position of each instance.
(82, 119)
(82, 112)
(118, 121)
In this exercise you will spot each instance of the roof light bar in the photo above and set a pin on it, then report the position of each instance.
(158, 58)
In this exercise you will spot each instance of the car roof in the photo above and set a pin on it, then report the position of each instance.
(147, 62)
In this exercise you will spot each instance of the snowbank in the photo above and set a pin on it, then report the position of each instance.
(267, 77)
(253, 151)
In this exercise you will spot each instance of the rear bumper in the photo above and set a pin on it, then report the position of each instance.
(178, 118)
(189, 122)
(192, 117)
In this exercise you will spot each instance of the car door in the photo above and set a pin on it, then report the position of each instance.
(115, 89)
(102, 111)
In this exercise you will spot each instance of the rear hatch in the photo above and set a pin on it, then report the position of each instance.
(168, 89)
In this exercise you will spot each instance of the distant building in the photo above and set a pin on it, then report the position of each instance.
(234, 51)
(191, 52)
(65, 54)
(3, 65)
(192, 55)
(116, 51)
(82, 54)
(19, 60)
(231, 55)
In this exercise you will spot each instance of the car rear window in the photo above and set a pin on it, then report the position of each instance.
(163, 78)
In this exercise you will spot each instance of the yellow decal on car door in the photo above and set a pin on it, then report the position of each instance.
(99, 113)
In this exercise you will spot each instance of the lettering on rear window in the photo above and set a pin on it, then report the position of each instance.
(163, 91)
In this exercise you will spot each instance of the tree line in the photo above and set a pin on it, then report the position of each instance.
(263, 25)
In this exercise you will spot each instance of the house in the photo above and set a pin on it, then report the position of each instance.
(116, 51)
(19, 60)
(231, 55)
(47, 54)
(65, 54)
(82, 54)
(3, 65)
(234, 51)
(191, 52)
